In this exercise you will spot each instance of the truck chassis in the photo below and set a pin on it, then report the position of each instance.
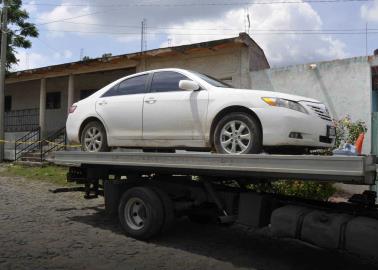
(148, 191)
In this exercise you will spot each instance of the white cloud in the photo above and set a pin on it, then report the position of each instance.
(370, 12)
(280, 49)
(30, 7)
(29, 60)
(78, 24)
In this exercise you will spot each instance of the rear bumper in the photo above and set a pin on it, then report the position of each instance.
(278, 123)
(72, 130)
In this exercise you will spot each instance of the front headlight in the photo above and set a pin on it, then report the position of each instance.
(289, 104)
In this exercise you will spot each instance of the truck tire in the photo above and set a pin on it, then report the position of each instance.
(141, 212)
(169, 214)
(238, 133)
(93, 138)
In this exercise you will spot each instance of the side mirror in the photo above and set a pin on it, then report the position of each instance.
(189, 85)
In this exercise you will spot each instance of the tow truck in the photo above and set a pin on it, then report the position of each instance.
(148, 191)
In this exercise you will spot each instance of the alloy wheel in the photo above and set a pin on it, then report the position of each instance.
(235, 137)
(93, 139)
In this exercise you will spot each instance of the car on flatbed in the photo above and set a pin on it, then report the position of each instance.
(181, 109)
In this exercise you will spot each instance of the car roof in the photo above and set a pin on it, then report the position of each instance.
(158, 70)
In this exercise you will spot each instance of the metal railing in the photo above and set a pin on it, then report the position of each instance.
(55, 142)
(21, 120)
(30, 142)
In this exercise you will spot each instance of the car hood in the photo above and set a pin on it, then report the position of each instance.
(273, 94)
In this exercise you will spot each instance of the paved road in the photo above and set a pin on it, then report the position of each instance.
(41, 230)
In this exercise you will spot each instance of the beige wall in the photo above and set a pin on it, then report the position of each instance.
(231, 64)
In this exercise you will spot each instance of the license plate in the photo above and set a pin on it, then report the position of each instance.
(331, 131)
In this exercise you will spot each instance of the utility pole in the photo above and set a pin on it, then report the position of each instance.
(3, 55)
(366, 39)
(143, 45)
(143, 38)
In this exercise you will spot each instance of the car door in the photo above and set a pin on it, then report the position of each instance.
(170, 113)
(121, 108)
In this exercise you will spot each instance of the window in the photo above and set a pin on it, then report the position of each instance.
(86, 93)
(53, 100)
(134, 85)
(8, 103)
(167, 81)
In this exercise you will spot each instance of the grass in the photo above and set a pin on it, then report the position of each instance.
(51, 174)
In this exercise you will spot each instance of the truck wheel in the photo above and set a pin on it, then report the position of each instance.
(93, 138)
(169, 215)
(141, 212)
(238, 133)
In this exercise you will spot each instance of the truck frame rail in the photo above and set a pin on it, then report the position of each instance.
(359, 170)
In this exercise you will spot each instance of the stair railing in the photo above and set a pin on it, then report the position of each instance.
(31, 141)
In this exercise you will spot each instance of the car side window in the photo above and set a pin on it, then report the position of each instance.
(167, 81)
(134, 85)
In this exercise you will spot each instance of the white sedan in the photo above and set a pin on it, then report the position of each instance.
(181, 109)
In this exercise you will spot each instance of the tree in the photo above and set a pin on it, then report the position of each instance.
(18, 31)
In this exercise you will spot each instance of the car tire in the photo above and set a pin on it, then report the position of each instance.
(232, 132)
(141, 212)
(169, 214)
(90, 131)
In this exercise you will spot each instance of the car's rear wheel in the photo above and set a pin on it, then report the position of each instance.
(238, 133)
(93, 138)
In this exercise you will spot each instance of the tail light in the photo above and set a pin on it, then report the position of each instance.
(72, 109)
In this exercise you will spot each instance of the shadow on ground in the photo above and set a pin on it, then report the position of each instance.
(239, 247)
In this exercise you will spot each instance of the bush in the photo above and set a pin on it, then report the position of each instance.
(347, 131)
(305, 189)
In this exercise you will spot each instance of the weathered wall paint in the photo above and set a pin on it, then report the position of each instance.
(344, 85)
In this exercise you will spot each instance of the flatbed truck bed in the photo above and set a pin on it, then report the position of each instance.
(148, 191)
(346, 169)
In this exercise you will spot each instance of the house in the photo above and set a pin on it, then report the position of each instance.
(37, 100)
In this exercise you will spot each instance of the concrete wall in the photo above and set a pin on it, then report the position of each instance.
(344, 85)
(231, 65)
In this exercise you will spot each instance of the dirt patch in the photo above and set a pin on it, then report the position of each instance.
(42, 230)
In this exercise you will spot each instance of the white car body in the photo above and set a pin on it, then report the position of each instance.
(184, 119)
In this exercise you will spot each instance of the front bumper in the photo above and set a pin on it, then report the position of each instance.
(277, 124)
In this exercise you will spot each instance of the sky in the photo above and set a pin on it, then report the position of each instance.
(289, 33)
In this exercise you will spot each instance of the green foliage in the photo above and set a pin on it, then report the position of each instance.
(305, 189)
(18, 31)
(52, 174)
(348, 131)
(302, 189)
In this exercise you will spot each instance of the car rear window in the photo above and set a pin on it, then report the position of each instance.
(131, 86)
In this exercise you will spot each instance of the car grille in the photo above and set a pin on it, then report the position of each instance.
(321, 111)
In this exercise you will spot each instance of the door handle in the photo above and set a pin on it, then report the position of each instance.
(150, 101)
(102, 102)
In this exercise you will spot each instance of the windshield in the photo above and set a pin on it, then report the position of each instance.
(212, 81)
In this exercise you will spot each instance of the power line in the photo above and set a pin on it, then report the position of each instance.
(141, 4)
(225, 29)
(214, 34)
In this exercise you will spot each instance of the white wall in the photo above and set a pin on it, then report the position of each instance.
(344, 85)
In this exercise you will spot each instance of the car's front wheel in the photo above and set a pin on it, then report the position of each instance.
(93, 138)
(238, 133)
